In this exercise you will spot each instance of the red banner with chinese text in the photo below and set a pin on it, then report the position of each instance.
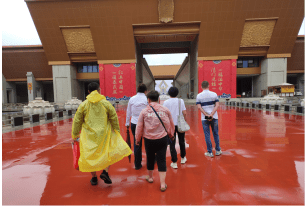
(117, 81)
(221, 76)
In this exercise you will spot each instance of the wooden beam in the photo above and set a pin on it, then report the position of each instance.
(123, 61)
(260, 50)
(249, 70)
(82, 56)
(44, 79)
(278, 55)
(295, 71)
(164, 77)
(23, 47)
(262, 19)
(59, 62)
(163, 29)
(17, 80)
(87, 75)
(218, 57)
(74, 27)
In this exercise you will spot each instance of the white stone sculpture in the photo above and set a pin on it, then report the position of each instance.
(68, 106)
(25, 110)
(72, 104)
(47, 109)
(36, 110)
(41, 107)
(272, 99)
(38, 106)
(41, 110)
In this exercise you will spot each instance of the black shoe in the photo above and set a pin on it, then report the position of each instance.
(94, 181)
(104, 176)
(138, 168)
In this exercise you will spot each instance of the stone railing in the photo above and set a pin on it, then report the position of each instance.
(292, 108)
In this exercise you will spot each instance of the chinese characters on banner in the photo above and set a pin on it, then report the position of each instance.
(117, 81)
(117, 78)
(221, 76)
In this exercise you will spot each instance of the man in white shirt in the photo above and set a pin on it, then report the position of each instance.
(208, 104)
(173, 105)
(136, 104)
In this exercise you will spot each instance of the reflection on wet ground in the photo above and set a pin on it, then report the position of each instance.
(262, 163)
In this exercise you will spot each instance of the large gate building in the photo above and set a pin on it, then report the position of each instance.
(240, 46)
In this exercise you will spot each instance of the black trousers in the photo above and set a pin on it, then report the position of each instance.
(158, 147)
(181, 137)
(137, 149)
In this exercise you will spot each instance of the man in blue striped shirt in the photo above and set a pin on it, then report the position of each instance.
(208, 104)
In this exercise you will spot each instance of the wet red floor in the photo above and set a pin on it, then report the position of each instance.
(262, 163)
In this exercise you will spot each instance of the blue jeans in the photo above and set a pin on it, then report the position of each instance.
(214, 128)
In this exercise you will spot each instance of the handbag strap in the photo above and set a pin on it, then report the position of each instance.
(179, 103)
(159, 118)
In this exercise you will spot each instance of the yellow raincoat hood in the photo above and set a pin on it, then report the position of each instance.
(95, 97)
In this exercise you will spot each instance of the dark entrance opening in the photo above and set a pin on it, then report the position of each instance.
(292, 79)
(22, 92)
(48, 91)
(8, 96)
(244, 86)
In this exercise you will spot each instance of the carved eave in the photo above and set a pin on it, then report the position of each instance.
(79, 43)
(166, 11)
(256, 36)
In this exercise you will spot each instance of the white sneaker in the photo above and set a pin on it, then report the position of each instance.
(218, 153)
(209, 154)
(183, 160)
(173, 165)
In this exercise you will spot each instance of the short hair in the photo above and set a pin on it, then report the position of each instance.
(142, 88)
(205, 84)
(153, 96)
(93, 86)
(173, 91)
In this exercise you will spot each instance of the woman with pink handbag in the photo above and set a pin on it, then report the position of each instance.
(156, 126)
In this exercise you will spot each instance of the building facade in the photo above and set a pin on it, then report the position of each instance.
(240, 46)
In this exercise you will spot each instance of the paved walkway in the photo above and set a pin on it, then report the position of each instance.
(262, 163)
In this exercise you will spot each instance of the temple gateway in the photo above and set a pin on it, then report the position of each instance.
(241, 47)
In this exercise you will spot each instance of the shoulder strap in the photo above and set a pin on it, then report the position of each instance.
(179, 103)
(159, 118)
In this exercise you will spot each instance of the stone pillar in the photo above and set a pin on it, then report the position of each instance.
(194, 68)
(178, 86)
(65, 84)
(182, 78)
(273, 73)
(4, 93)
(147, 76)
(139, 72)
(32, 86)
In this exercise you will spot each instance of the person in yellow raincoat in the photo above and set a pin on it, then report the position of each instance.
(101, 144)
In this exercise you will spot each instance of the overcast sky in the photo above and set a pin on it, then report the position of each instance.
(18, 29)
